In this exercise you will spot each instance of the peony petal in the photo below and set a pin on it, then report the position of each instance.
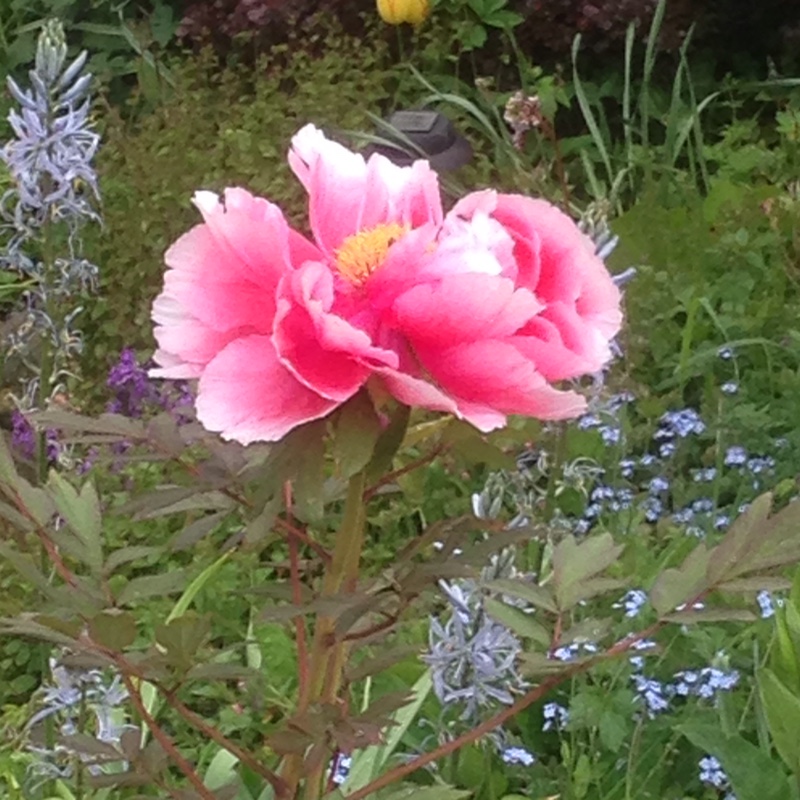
(495, 375)
(247, 395)
(348, 194)
(335, 179)
(255, 235)
(462, 308)
(323, 350)
(186, 344)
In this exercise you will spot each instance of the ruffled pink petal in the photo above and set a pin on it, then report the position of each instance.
(415, 392)
(335, 179)
(185, 343)
(207, 280)
(323, 350)
(348, 194)
(247, 395)
(462, 308)
(541, 343)
(255, 234)
(495, 375)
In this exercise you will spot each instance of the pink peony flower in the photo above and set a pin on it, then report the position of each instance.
(474, 313)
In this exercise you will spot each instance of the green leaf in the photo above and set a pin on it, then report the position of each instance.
(539, 596)
(221, 770)
(81, 511)
(752, 773)
(733, 554)
(196, 530)
(182, 638)
(115, 630)
(8, 471)
(152, 586)
(574, 563)
(370, 762)
(388, 443)
(782, 709)
(308, 462)
(676, 586)
(522, 624)
(357, 429)
(691, 616)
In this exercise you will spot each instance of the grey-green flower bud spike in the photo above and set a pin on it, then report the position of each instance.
(51, 51)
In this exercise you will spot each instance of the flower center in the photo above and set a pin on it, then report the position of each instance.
(363, 252)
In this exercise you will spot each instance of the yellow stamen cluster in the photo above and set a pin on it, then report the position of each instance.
(363, 252)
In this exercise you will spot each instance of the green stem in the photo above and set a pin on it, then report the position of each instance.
(328, 656)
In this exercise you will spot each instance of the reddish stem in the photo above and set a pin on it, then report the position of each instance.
(165, 741)
(501, 717)
(392, 476)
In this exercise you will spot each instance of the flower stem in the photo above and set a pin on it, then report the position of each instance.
(328, 656)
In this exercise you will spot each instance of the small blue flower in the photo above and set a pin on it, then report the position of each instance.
(555, 716)
(731, 387)
(518, 755)
(711, 772)
(703, 505)
(725, 353)
(626, 466)
(681, 423)
(611, 434)
(653, 509)
(767, 603)
(571, 651)
(721, 521)
(653, 694)
(705, 475)
(588, 421)
(658, 484)
(759, 464)
(735, 456)
(647, 460)
(632, 602)
(341, 769)
(683, 516)
(667, 449)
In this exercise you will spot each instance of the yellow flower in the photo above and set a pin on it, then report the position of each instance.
(395, 12)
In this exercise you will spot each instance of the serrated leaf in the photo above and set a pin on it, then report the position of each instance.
(113, 629)
(152, 586)
(679, 585)
(356, 433)
(752, 773)
(81, 511)
(574, 563)
(182, 638)
(538, 596)
(520, 623)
